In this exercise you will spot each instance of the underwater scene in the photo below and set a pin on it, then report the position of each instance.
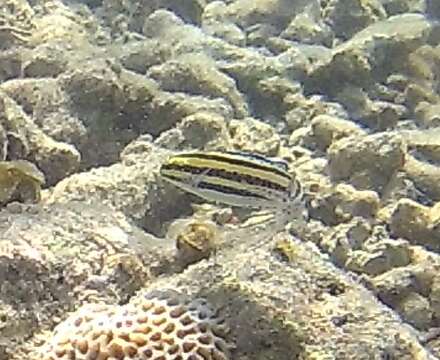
(219, 179)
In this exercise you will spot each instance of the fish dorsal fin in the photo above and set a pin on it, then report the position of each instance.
(280, 164)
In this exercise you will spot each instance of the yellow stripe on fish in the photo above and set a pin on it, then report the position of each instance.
(233, 178)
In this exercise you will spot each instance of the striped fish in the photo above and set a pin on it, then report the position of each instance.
(234, 178)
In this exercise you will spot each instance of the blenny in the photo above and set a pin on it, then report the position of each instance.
(238, 179)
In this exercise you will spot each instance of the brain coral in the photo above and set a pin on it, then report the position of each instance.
(160, 325)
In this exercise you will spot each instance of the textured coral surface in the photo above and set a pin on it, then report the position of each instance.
(158, 326)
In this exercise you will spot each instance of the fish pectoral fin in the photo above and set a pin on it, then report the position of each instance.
(196, 180)
(260, 218)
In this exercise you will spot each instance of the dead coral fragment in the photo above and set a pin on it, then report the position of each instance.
(20, 180)
(159, 325)
(196, 238)
(196, 241)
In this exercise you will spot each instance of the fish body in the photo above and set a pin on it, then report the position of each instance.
(234, 178)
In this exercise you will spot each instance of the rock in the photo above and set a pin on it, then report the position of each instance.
(308, 28)
(427, 114)
(424, 175)
(434, 295)
(301, 110)
(56, 159)
(204, 131)
(46, 60)
(139, 56)
(433, 9)
(60, 25)
(417, 223)
(17, 20)
(346, 18)
(20, 180)
(170, 24)
(44, 100)
(416, 94)
(271, 97)
(168, 109)
(364, 58)
(104, 88)
(36, 96)
(189, 10)
(249, 67)
(380, 257)
(121, 105)
(416, 310)
(136, 150)
(254, 136)
(328, 129)
(278, 13)
(423, 145)
(64, 127)
(394, 7)
(394, 285)
(246, 66)
(215, 22)
(377, 115)
(127, 19)
(343, 239)
(43, 277)
(196, 75)
(10, 64)
(25, 140)
(342, 203)
(367, 162)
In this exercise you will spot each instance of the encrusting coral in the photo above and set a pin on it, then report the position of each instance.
(160, 325)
